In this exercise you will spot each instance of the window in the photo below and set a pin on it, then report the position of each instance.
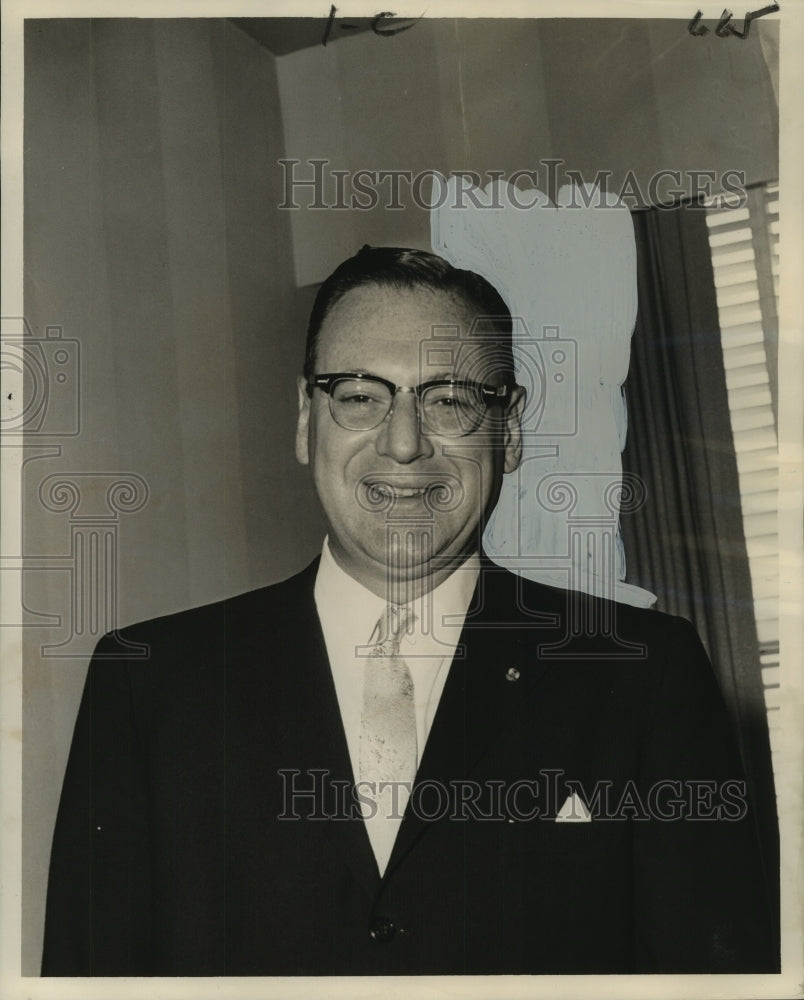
(744, 246)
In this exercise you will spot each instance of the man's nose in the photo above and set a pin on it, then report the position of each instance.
(400, 436)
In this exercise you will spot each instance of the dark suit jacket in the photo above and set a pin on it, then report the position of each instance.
(176, 850)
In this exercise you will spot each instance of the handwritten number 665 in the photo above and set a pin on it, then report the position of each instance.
(725, 28)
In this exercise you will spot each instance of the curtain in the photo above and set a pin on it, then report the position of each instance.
(686, 543)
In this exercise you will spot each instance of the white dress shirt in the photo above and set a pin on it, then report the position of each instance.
(349, 613)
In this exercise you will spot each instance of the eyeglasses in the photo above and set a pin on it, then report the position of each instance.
(447, 407)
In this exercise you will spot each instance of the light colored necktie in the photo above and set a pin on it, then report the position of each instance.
(388, 750)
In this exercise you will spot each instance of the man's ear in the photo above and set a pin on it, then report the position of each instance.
(302, 449)
(512, 439)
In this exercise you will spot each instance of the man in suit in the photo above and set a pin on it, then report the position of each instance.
(405, 760)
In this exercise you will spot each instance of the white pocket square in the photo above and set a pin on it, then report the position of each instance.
(573, 811)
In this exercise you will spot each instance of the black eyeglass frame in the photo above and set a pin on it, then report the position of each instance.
(488, 394)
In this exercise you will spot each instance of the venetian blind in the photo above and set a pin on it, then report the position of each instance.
(744, 246)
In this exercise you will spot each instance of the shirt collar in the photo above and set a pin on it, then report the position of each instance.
(344, 605)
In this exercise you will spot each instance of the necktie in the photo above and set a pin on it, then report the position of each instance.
(388, 751)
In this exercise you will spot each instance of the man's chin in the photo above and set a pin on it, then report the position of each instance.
(413, 565)
(399, 572)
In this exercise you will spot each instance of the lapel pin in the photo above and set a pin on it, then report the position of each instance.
(512, 674)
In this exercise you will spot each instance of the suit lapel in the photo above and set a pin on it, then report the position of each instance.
(484, 689)
(328, 743)
(314, 737)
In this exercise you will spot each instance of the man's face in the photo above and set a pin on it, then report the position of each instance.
(403, 507)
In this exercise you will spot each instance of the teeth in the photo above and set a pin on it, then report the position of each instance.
(399, 491)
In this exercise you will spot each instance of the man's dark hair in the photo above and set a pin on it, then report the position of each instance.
(401, 268)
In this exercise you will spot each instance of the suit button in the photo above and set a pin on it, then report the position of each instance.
(382, 929)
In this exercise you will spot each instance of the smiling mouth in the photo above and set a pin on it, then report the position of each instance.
(392, 490)
(439, 496)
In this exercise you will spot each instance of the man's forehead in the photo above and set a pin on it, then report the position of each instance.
(440, 327)
(418, 304)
